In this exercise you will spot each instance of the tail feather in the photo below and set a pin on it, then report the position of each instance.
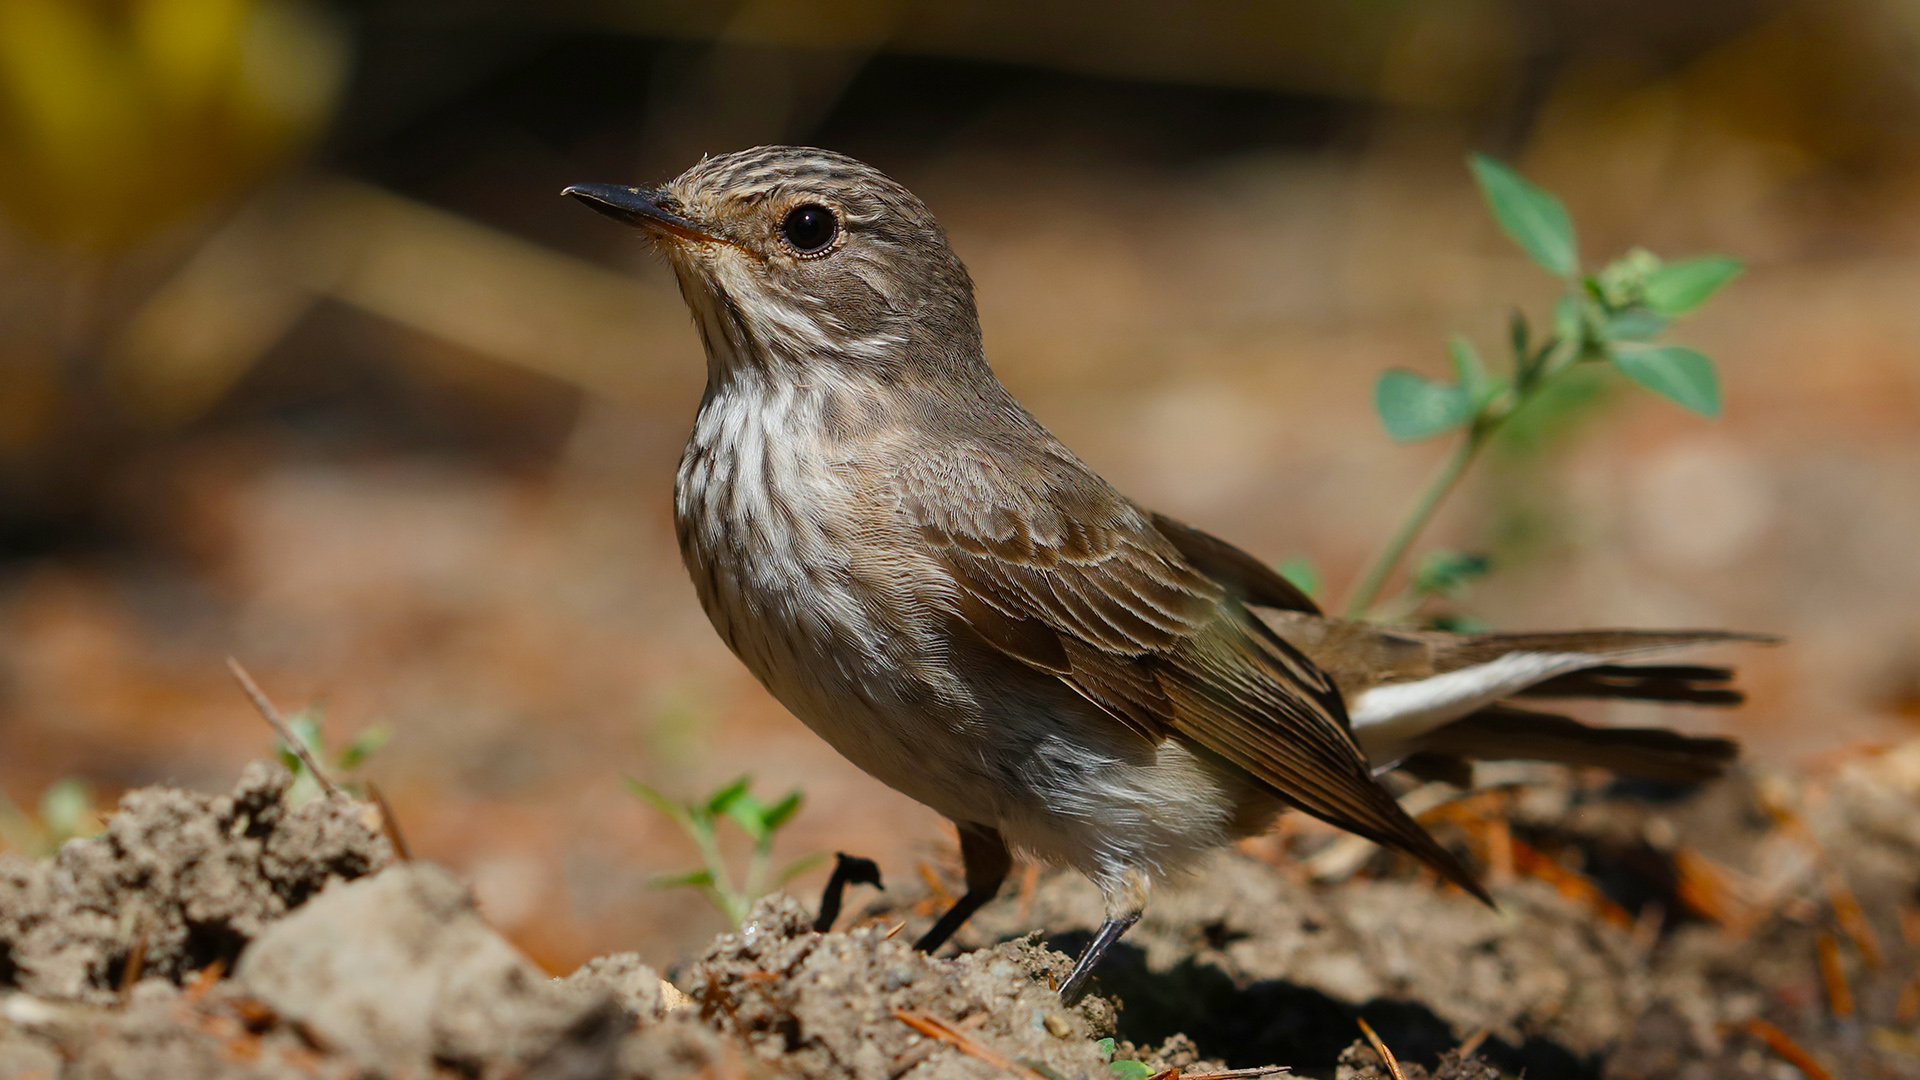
(1602, 645)
(1690, 684)
(1504, 733)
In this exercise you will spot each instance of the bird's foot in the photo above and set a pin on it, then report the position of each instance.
(1110, 931)
(847, 870)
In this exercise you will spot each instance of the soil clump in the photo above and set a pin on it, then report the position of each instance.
(1641, 933)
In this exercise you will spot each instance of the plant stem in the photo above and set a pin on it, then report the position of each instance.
(757, 870)
(722, 882)
(1437, 491)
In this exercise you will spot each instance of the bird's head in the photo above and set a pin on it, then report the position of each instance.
(802, 259)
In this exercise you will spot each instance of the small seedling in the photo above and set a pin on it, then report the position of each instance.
(1614, 316)
(1124, 1069)
(65, 811)
(307, 727)
(700, 820)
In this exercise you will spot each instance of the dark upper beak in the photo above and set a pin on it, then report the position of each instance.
(639, 207)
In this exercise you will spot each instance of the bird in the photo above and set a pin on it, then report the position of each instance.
(925, 576)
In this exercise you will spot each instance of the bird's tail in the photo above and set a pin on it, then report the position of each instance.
(1438, 725)
(1671, 684)
(1505, 733)
(1603, 646)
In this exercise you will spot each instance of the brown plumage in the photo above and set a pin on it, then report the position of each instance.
(923, 574)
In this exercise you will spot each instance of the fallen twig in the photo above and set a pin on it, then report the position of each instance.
(203, 980)
(1846, 912)
(937, 890)
(1379, 1047)
(937, 1029)
(1834, 974)
(136, 960)
(1783, 1044)
(280, 728)
(1713, 892)
(1572, 885)
(389, 824)
(1235, 1074)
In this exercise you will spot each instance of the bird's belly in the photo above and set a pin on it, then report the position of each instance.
(788, 584)
(776, 578)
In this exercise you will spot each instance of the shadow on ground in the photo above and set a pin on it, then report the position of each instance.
(1271, 1020)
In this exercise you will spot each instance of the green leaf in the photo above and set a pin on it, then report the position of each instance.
(779, 812)
(1679, 287)
(1555, 411)
(1519, 335)
(1466, 362)
(1529, 214)
(1129, 1070)
(1568, 322)
(1446, 573)
(799, 866)
(746, 812)
(1414, 407)
(1105, 1046)
(1675, 371)
(697, 879)
(1479, 386)
(305, 725)
(718, 802)
(364, 745)
(673, 810)
(64, 809)
(1299, 570)
(1633, 324)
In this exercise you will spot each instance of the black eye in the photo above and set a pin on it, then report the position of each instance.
(809, 228)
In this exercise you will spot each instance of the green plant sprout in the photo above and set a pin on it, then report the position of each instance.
(306, 726)
(1613, 316)
(699, 820)
(1123, 1069)
(65, 812)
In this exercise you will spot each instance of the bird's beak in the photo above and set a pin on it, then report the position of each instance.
(640, 207)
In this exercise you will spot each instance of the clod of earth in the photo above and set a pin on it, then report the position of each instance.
(342, 959)
(179, 879)
(1642, 933)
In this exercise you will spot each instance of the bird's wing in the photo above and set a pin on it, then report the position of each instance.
(1245, 577)
(1059, 571)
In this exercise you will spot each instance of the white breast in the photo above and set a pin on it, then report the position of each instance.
(750, 501)
(770, 513)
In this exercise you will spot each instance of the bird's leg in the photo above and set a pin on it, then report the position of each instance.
(1126, 899)
(847, 870)
(987, 860)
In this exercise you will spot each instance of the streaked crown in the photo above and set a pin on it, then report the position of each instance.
(792, 255)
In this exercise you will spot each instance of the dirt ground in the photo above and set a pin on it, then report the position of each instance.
(1724, 932)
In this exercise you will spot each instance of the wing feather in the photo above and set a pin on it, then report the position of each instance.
(1147, 618)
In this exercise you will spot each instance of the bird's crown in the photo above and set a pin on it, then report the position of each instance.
(798, 254)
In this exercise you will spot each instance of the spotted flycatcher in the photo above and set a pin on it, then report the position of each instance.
(935, 585)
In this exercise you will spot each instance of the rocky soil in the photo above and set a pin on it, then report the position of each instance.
(1757, 926)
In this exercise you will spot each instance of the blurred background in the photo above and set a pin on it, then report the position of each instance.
(303, 359)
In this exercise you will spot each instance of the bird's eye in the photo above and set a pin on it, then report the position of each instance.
(809, 228)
